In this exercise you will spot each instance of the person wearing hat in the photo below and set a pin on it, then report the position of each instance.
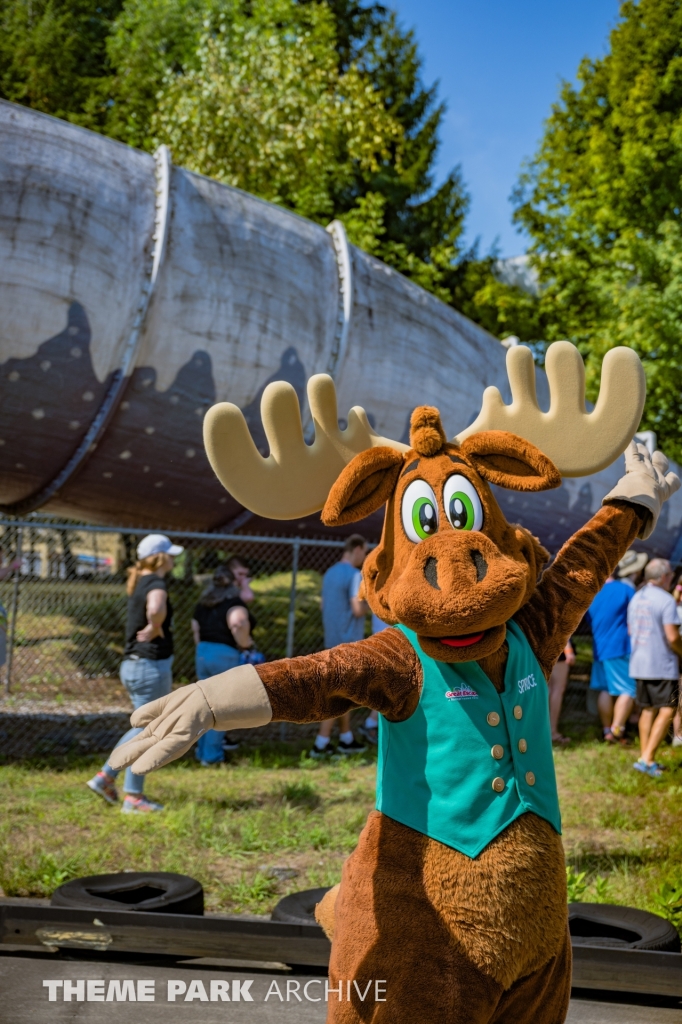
(146, 669)
(608, 617)
(630, 566)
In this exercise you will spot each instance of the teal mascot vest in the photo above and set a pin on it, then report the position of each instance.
(470, 760)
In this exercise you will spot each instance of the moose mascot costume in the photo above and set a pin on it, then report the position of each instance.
(456, 892)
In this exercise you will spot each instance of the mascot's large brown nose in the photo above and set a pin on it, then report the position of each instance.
(431, 569)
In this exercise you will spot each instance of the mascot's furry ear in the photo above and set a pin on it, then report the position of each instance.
(510, 461)
(363, 486)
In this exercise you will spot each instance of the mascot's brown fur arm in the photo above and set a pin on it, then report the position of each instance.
(382, 673)
(579, 571)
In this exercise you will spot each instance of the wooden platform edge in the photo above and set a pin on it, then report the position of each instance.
(169, 934)
(644, 971)
(25, 924)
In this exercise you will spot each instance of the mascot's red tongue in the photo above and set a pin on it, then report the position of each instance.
(462, 641)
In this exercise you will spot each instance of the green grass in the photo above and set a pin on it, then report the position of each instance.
(227, 827)
(272, 808)
(622, 829)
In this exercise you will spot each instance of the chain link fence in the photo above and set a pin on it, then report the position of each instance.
(65, 600)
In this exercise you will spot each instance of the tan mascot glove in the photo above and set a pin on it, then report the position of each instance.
(646, 482)
(232, 700)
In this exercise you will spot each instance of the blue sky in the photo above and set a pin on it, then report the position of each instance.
(500, 65)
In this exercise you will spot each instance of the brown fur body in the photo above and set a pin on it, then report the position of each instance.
(451, 936)
(458, 941)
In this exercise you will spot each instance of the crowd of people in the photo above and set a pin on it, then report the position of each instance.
(222, 627)
(634, 620)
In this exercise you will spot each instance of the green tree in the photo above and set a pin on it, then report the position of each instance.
(396, 212)
(150, 41)
(318, 105)
(53, 56)
(267, 109)
(601, 201)
(179, 61)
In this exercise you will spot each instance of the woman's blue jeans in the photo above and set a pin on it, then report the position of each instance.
(145, 680)
(211, 659)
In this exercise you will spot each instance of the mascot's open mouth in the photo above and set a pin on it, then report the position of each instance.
(466, 640)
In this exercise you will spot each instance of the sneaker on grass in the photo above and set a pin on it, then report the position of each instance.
(619, 734)
(654, 770)
(351, 748)
(321, 755)
(105, 786)
(139, 805)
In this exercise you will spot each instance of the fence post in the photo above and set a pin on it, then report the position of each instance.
(15, 607)
(291, 621)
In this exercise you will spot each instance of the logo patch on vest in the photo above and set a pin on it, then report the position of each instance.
(527, 683)
(461, 693)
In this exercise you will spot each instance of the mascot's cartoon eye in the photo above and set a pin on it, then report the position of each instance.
(420, 511)
(462, 503)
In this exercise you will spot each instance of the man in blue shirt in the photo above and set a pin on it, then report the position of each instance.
(608, 615)
(343, 618)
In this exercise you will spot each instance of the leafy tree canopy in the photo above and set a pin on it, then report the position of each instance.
(266, 109)
(318, 105)
(601, 201)
(53, 56)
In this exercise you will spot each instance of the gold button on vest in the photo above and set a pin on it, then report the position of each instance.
(523, 746)
(493, 718)
(530, 778)
(498, 784)
(497, 751)
(518, 711)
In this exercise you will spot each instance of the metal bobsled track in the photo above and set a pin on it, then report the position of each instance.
(135, 294)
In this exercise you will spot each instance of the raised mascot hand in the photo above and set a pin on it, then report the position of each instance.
(647, 482)
(231, 700)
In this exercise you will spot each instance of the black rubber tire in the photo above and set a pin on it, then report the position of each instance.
(607, 924)
(590, 924)
(158, 892)
(299, 907)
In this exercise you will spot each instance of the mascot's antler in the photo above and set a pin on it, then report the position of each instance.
(577, 442)
(295, 478)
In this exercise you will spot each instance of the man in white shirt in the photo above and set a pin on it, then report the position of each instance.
(655, 643)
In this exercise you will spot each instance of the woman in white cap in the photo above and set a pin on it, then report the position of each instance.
(146, 669)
